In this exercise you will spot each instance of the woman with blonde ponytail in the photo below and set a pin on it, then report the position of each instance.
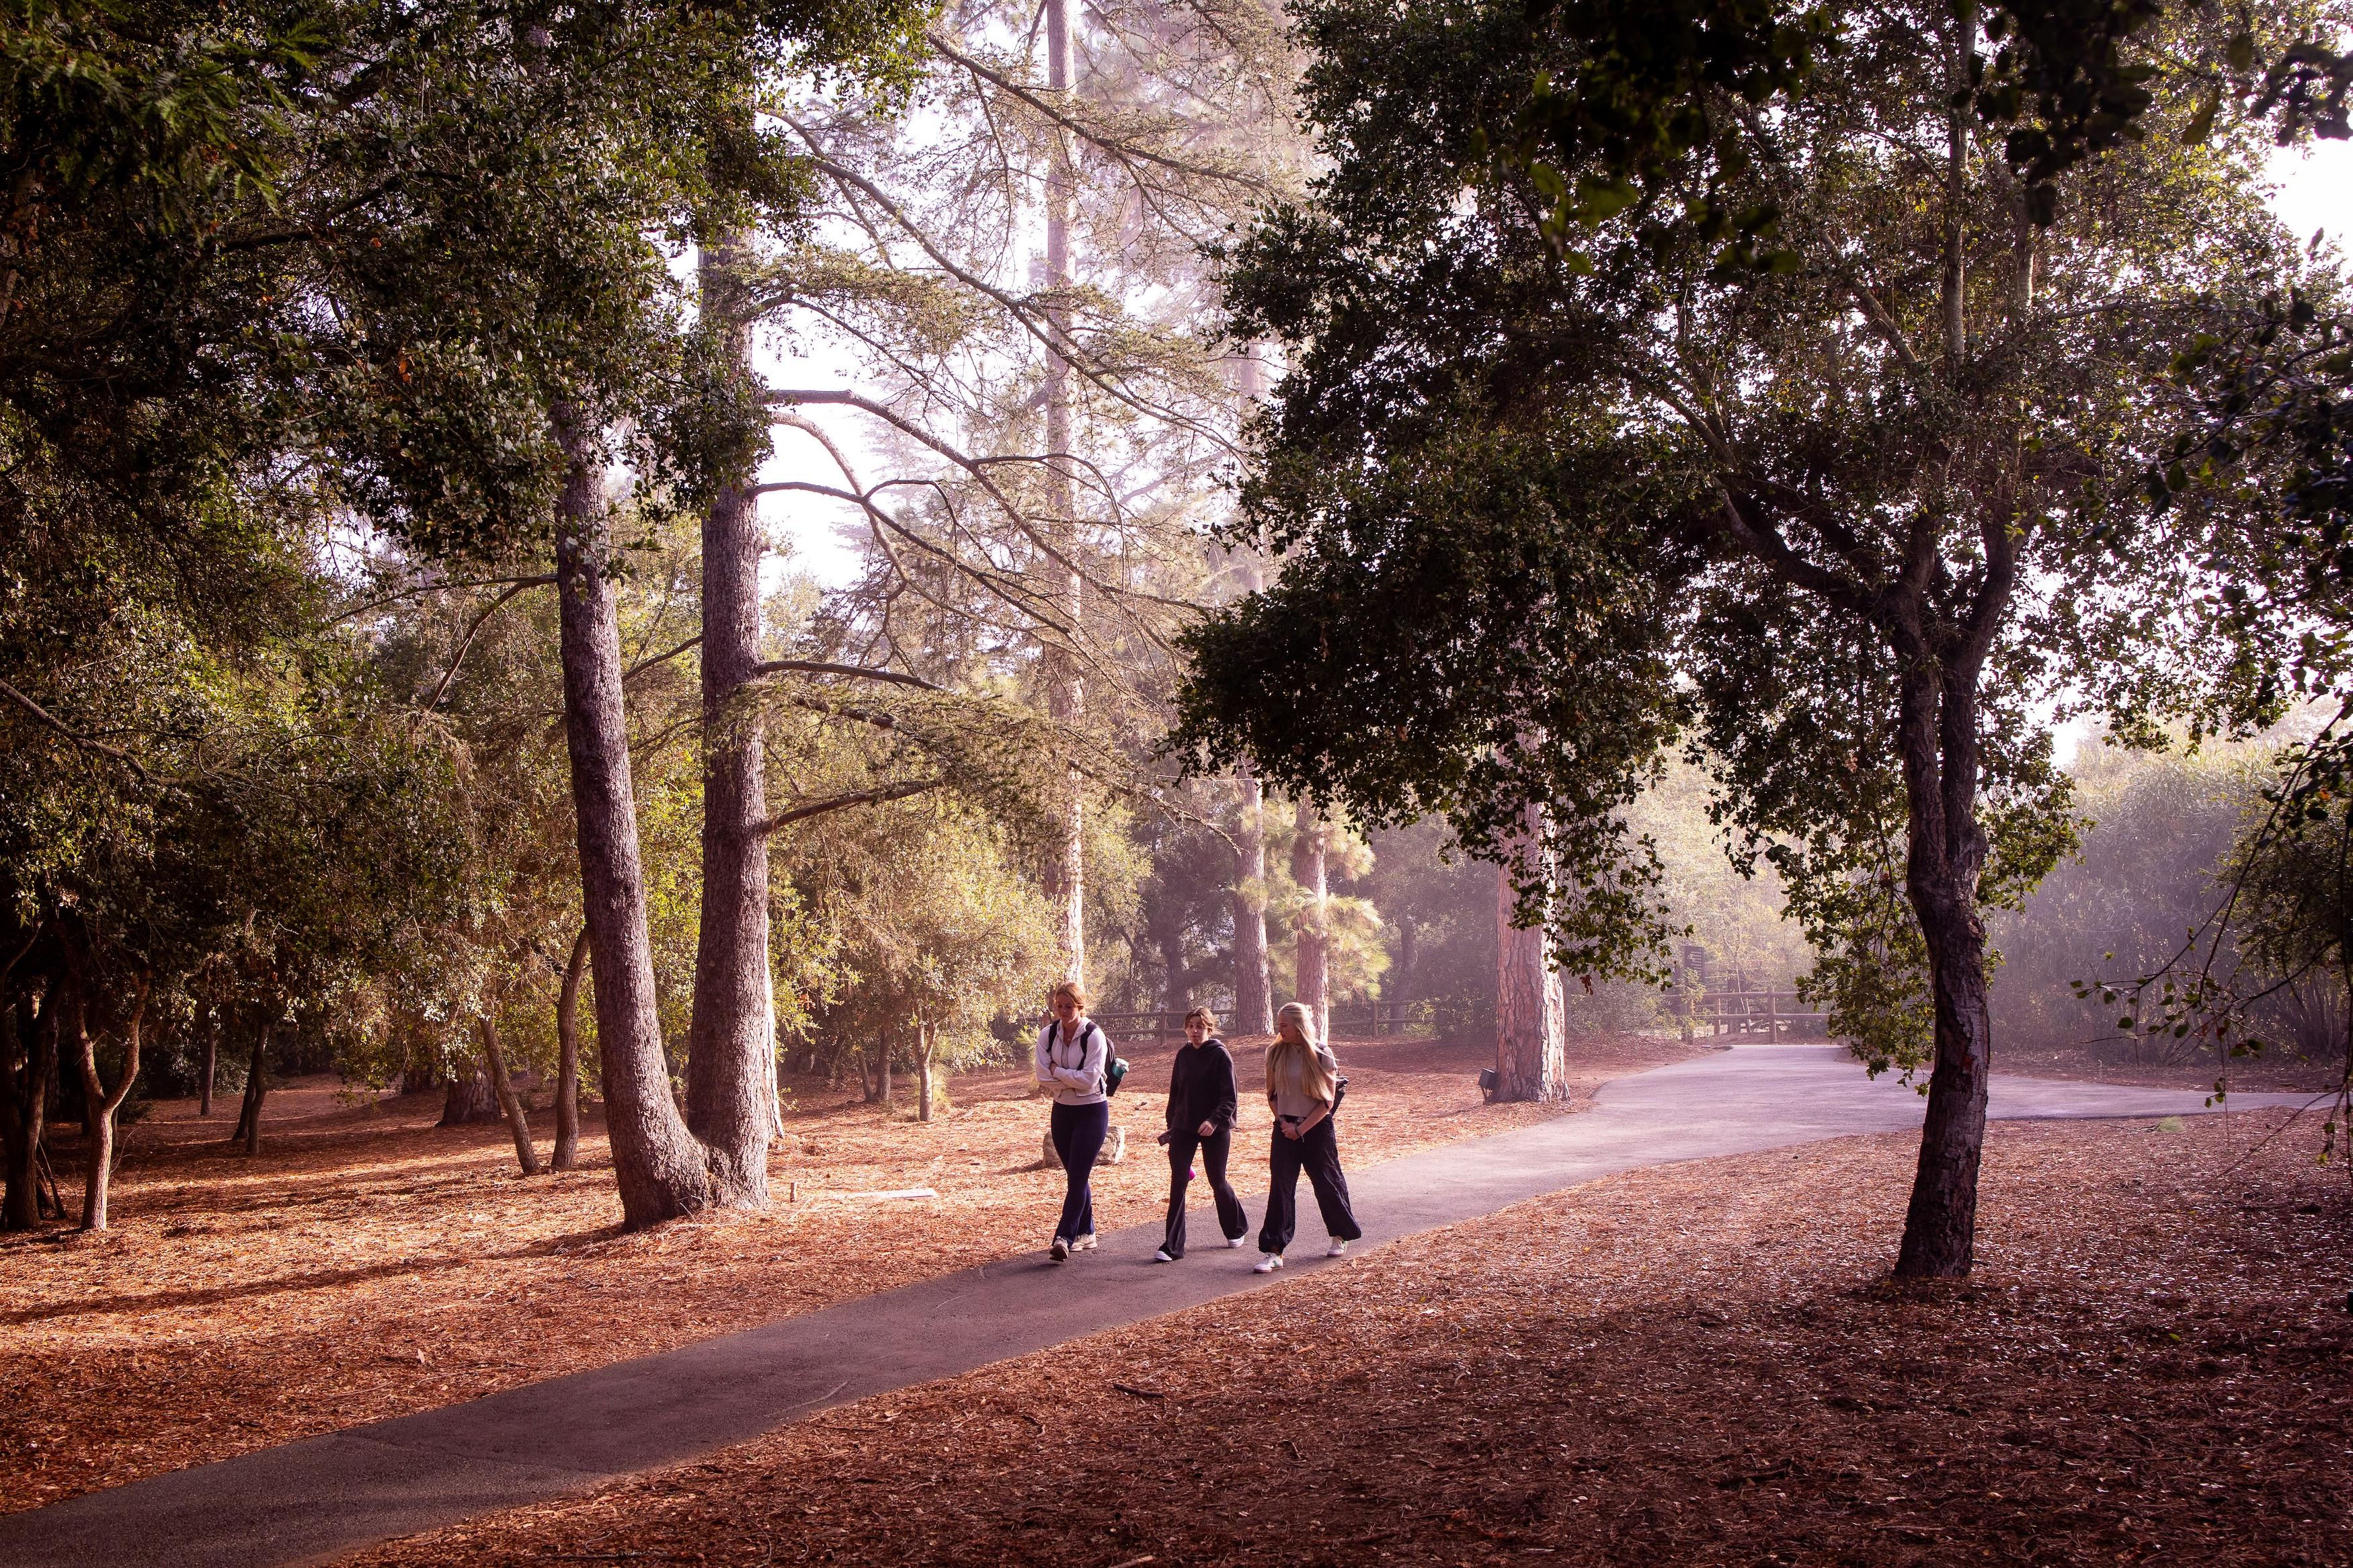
(1302, 1087)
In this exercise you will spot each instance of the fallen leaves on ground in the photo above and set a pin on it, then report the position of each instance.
(1698, 1363)
(369, 1265)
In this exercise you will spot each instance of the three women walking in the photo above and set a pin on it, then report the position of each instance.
(1303, 1089)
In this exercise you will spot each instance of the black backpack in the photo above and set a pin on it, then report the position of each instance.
(1114, 1066)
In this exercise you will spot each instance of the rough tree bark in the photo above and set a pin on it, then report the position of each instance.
(1310, 868)
(567, 1059)
(494, 1058)
(104, 1101)
(1531, 1011)
(468, 1098)
(731, 1042)
(657, 1163)
(1066, 880)
(26, 1122)
(212, 1064)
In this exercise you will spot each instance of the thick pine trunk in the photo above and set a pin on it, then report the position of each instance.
(103, 1102)
(567, 1059)
(657, 1163)
(731, 1046)
(494, 1058)
(27, 1115)
(468, 1098)
(1531, 1013)
(1253, 995)
(1310, 868)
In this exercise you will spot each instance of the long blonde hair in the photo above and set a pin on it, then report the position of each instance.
(1296, 1067)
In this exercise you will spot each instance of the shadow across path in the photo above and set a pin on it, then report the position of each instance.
(312, 1499)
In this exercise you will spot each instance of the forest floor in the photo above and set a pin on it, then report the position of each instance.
(368, 1264)
(1694, 1363)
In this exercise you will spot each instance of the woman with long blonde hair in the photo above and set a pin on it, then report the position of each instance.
(1302, 1087)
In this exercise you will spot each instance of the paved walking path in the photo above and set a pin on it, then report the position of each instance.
(311, 1501)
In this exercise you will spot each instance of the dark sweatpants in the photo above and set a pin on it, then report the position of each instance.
(1079, 1132)
(1319, 1154)
(1231, 1221)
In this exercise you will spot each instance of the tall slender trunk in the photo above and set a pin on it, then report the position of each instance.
(567, 1059)
(1531, 1011)
(1310, 868)
(929, 1041)
(27, 1121)
(731, 1057)
(1066, 696)
(1408, 960)
(104, 1102)
(494, 1058)
(657, 1163)
(212, 1064)
(1253, 995)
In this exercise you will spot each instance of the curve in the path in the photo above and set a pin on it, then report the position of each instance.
(311, 1501)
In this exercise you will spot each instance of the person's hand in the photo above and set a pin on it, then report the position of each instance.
(1290, 1130)
(1209, 1130)
(1162, 1139)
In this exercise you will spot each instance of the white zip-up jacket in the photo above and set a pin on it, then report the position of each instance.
(1073, 1070)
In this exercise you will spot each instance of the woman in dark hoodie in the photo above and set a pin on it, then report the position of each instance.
(1201, 1107)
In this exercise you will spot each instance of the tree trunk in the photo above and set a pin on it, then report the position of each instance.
(731, 1049)
(248, 1130)
(1308, 868)
(1066, 695)
(104, 1101)
(1409, 959)
(1253, 995)
(567, 1059)
(469, 1098)
(924, 1072)
(494, 1057)
(1936, 729)
(1531, 1011)
(212, 1065)
(657, 1163)
(27, 1117)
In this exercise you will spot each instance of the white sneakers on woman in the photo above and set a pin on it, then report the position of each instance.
(1268, 1263)
(1084, 1244)
(1338, 1249)
(1236, 1241)
(1060, 1251)
(1163, 1257)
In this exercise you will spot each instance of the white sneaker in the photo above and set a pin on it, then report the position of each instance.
(1162, 1257)
(1338, 1249)
(1060, 1251)
(1084, 1244)
(1268, 1262)
(1237, 1242)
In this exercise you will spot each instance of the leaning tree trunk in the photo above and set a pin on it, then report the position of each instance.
(1253, 995)
(27, 1121)
(1531, 1011)
(494, 1058)
(730, 1053)
(248, 1130)
(567, 1059)
(1936, 727)
(656, 1160)
(1310, 867)
(104, 1101)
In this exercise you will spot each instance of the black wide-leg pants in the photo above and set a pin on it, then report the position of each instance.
(1214, 1150)
(1318, 1154)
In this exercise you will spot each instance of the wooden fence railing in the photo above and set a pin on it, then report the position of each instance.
(1775, 1014)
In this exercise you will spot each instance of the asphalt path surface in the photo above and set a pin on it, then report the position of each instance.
(312, 1501)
